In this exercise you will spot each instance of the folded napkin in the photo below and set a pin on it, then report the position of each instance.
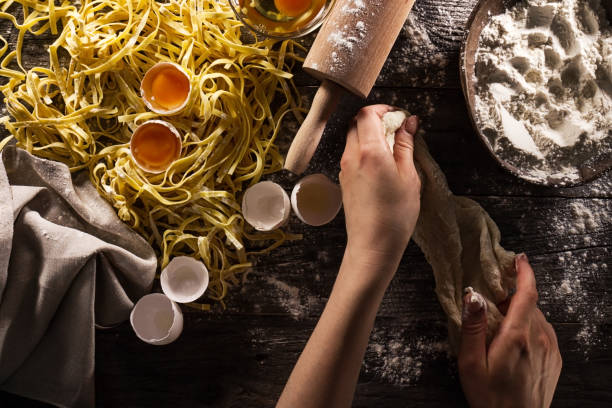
(67, 264)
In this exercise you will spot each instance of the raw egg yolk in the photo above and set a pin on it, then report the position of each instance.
(155, 147)
(292, 8)
(169, 88)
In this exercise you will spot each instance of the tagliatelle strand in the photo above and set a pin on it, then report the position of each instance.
(82, 109)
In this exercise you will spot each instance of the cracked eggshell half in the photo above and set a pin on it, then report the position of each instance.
(166, 88)
(184, 279)
(156, 319)
(155, 145)
(316, 200)
(266, 206)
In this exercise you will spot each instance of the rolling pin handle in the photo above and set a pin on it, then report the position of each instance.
(308, 136)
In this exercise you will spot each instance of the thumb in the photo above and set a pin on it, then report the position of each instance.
(472, 358)
(403, 150)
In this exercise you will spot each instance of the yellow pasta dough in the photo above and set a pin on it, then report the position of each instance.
(82, 108)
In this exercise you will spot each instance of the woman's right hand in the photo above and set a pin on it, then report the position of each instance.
(380, 188)
(522, 364)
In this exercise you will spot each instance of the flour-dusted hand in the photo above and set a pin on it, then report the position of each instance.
(381, 190)
(522, 365)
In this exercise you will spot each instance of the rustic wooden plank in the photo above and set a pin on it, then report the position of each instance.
(258, 353)
(296, 279)
(427, 49)
(242, 356)
(424, 55)
(245, 362)
(451, 138)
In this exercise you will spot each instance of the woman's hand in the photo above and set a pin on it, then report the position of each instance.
(523, 363)
(381, 204)
(380, 189)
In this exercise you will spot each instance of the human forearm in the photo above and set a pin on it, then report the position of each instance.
(380, 195)
(328, 369)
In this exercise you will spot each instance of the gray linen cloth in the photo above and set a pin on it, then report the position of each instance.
(67, 264)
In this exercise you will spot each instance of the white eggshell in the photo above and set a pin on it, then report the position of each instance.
(147, 80)
(156, 319)
(316, 200)
(184, 279)
(266, 206)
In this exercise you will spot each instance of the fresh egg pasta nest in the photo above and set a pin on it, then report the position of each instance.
(82, 109)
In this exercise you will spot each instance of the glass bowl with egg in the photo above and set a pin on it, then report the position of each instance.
(282, 19)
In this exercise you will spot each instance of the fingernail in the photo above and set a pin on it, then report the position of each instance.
(410, 124)
(473, 303)
(520, 258)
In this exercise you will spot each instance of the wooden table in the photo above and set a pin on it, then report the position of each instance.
(241, 357)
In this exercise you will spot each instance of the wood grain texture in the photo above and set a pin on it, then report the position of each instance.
(241, 357)
(354, 42)
(307, 138)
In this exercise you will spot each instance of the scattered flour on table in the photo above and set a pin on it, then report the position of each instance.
(419, 45)
(573, 292)
(585, 219)
(288, 298)
(544, 86)
(580, 219)
(397, 360)
(299, 303)
(416, 51)
(588, 337)
(576, 286)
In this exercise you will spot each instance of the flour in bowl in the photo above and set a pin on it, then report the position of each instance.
(544, 87)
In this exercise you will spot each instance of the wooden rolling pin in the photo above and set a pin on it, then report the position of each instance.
(348, 53)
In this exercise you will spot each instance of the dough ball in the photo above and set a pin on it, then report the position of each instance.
(392, 121)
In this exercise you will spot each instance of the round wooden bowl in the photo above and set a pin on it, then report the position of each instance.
(484, 10)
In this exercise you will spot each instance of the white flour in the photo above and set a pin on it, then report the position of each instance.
(347, 38)
(544, 85)
(578, 219)
(418, 50)
(394, 358)
(354, 7)
(289, 298)
(575, 293)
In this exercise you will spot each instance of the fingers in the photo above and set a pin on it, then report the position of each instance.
(403, 150)
(412, 124)
(523, 303)
(379, 109)
(369, 126)
(547, 343)
(504, 305)
(366, 133)
(546, 328)
(351, 148)
(473, 350)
